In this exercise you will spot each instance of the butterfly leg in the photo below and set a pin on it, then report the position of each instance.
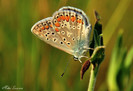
(84, 57)
(88, 48)
(80, 61)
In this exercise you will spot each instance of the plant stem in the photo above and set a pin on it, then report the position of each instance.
(93, 76)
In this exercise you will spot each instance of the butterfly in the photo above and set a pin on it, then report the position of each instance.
(68, 29)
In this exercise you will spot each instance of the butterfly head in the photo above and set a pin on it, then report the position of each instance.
(79, 53)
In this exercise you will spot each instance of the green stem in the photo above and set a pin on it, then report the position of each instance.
(93, 76)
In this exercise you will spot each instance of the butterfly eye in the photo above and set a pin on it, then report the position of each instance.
(75, 58)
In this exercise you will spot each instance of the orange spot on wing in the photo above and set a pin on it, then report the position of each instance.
(43, 28)
(59, 19)
(51, 25)
(63, 18)
(57, 24)
(56, 29)
(46, 27)
(67, 18)
(79, 21)
(73, 18)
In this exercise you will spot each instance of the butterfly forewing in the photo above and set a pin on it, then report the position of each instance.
(45, 30)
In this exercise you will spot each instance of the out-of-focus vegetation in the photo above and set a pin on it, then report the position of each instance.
(29, 63)
(119, 76)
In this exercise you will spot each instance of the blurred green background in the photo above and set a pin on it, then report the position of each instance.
(29, 63)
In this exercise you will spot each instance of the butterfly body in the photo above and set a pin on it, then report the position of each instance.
(68, 30)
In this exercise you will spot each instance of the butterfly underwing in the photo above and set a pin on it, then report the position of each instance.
(68, 30)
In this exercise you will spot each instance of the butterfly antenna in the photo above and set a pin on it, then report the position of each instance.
(65, 69)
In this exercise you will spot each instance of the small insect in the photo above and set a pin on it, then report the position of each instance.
(68, 30)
